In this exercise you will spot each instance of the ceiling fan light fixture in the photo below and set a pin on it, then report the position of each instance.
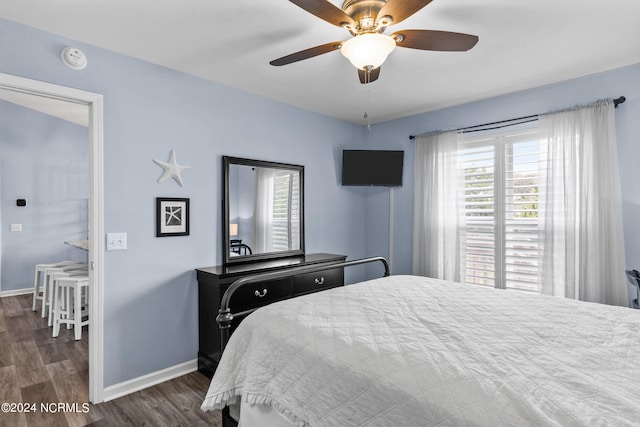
(368, 50)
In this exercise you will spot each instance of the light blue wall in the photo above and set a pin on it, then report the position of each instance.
(150, 290)
(395, 135)
(45, 161)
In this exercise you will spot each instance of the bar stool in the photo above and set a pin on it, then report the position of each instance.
(52, 285)
(48, 284)
(68, 307)
(39, 274)
(52, 275)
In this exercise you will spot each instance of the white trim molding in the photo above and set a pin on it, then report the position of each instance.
(149, 380)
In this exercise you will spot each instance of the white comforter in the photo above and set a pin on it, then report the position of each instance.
(414, 351)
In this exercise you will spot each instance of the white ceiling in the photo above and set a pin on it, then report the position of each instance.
(523, 44)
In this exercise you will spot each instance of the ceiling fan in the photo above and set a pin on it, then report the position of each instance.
(367, 20)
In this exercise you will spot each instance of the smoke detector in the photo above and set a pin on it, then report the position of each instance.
(73, 58)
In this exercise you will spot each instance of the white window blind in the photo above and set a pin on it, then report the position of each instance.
(286, 211)
(501, 209)
(478, 160)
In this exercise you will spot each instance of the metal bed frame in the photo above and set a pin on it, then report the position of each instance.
(634, 278)
(225, 316)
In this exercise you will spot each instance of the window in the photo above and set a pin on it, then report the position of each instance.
(501, 180)
(286, 211)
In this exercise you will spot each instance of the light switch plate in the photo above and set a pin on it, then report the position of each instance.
(16, 227)
(116, 241)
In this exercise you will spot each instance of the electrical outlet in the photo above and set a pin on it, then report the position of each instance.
(116, 241)
(16, 227)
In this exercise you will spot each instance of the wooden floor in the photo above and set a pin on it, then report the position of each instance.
(46, 380)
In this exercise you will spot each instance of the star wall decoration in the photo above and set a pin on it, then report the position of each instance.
(171, 169)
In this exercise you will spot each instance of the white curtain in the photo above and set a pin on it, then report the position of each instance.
(438, 217)
(263, 210)
(581, 244)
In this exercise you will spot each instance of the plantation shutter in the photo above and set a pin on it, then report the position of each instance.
(501, 209)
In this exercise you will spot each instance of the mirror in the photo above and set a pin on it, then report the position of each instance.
(263, 210)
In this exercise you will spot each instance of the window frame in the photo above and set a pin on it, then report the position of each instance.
(503, 144)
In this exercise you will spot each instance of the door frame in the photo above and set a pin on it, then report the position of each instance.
(94, 102)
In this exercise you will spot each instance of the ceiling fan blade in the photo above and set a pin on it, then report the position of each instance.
(324, 10)
(443, 41)
(306, 54)
(400, 10)
(368, 76)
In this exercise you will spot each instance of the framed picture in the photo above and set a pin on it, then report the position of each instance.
(172, 217)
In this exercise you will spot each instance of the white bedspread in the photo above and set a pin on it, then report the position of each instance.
(413, 351)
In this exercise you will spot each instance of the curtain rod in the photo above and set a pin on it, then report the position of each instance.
(518, 120)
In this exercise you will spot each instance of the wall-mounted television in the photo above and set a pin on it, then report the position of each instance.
(372, 167)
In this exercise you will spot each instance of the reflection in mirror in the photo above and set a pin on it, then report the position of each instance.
(264, 210)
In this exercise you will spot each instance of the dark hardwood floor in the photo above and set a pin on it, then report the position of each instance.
(46, 381)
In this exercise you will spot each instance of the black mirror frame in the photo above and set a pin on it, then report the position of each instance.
(226, 242)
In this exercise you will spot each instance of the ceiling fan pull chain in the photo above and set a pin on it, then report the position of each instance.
(366, 116)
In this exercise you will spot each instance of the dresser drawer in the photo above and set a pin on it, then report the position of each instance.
(312, 282)
(254, 295)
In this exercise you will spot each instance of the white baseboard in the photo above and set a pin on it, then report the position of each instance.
(16, 292)
(149, 380)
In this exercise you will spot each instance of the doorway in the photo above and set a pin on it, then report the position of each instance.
(88, 107)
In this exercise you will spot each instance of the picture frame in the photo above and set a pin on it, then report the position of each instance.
(172, 216)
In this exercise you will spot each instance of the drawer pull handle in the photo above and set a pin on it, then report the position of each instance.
(260, 294)
(319, 281)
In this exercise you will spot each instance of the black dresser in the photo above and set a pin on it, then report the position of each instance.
(214, 281)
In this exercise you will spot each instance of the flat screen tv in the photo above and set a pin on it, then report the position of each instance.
(372, 167)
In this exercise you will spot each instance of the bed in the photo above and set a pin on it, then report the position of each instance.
(416, 351)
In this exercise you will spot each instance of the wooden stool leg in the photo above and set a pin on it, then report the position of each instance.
(69, 307)
(56, 310)
(46, 297)
(36, 288)
(77, 310)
